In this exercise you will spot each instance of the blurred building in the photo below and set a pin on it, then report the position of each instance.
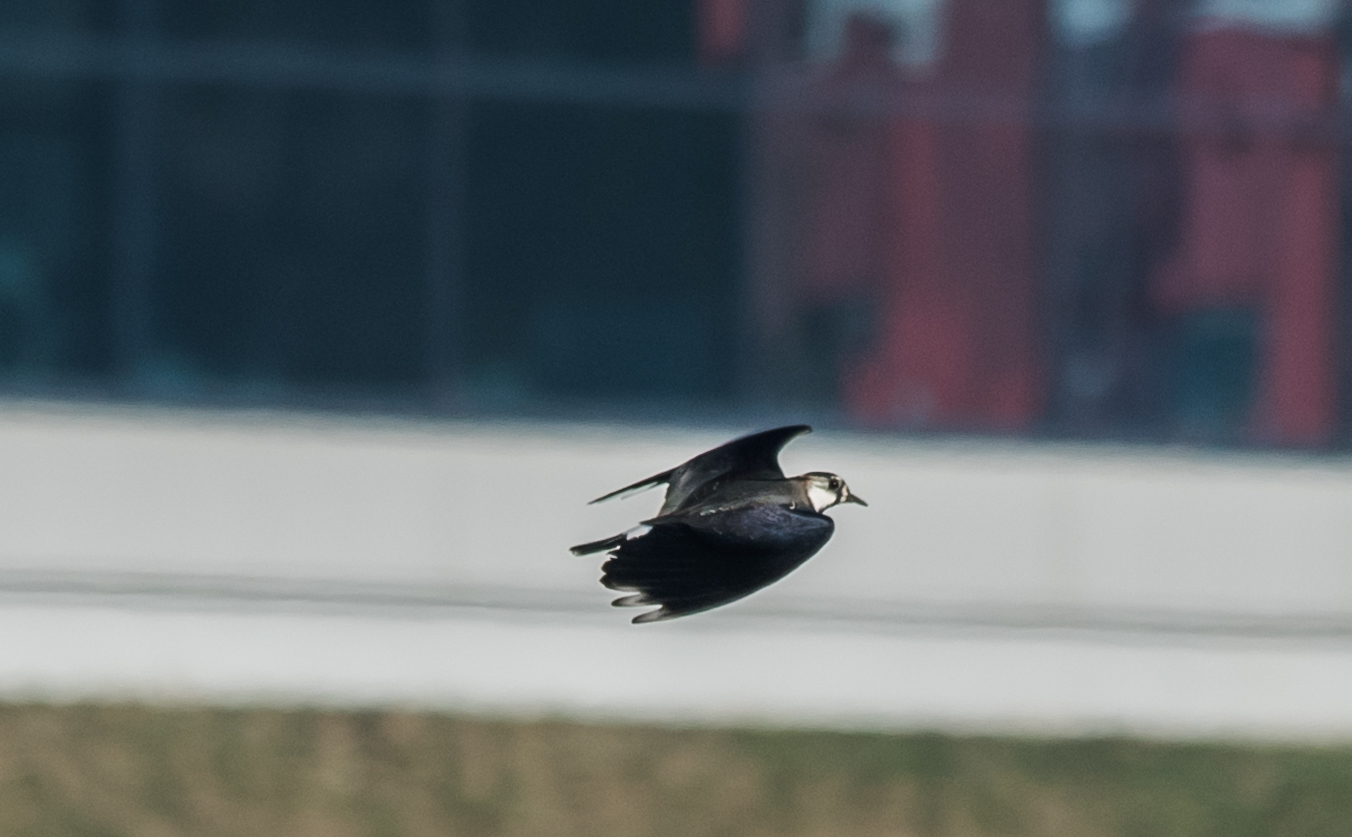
(488, 204)
(1084, 218)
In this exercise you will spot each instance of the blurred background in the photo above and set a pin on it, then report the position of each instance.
(1100, 219)
(320, 322)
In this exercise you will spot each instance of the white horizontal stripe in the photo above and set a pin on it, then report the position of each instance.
(685, 671)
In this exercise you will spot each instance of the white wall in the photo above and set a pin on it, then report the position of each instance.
(997, 586)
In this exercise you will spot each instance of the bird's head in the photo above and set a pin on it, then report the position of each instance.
(826, 490)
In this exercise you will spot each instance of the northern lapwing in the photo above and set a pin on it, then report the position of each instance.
(731, 524)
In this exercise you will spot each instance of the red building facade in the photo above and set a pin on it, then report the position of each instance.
(924, 193)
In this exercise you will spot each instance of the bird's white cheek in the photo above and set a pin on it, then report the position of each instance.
(637, 532)
(820, 497)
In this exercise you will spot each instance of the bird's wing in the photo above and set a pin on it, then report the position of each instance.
(750, 457)
(688, 563)
(754, 457)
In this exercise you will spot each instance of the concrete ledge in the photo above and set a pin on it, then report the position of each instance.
(990, 585)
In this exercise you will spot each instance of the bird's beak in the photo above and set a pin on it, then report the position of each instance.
(855, 498)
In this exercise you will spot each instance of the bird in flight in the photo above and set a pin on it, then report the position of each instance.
(731, 524)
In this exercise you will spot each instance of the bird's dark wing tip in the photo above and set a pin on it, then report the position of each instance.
(771, 442)
(786, 433)
(659, 615)
(597, 546)
(641, 485)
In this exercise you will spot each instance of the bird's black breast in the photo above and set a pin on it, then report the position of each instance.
(691, 561)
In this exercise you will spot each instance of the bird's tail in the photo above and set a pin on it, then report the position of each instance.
(598, 546)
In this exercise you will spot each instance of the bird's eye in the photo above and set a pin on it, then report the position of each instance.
(834, 484)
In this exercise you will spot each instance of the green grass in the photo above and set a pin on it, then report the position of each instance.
(118, 771)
